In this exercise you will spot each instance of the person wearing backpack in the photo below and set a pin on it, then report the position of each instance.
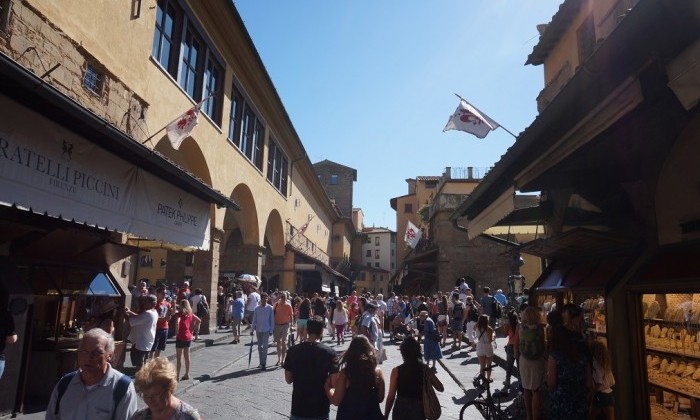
(472, 318)
(457, 320)
(199, 305)
(529, 348)
(112, 394)
(490, 306)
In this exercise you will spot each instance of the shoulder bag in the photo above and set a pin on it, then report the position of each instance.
(431, 404)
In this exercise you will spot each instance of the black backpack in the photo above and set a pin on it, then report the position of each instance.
(496, 308)
(458, 311)
(473, 314)
(202, 307)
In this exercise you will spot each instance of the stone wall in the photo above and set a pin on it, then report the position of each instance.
(484, 260)
(35, 43)
(340, 192)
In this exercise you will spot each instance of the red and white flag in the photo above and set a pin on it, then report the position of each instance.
(303, 227)
(413, 235)
(179, 129)
(469, 119)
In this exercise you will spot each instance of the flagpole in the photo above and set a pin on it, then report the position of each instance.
(166, 125)
(499, 124)
(154, 134)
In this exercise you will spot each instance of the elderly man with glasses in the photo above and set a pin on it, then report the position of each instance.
(95, 390)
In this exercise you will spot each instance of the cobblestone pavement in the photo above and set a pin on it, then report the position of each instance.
(236, 390)
(222, 386)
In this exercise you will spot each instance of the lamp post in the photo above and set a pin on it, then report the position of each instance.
(515, 276)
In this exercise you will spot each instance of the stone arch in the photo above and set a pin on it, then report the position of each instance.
(274, 233)
(240, 250)
(244, 220)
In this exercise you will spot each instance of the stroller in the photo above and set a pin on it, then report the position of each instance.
(401, 330)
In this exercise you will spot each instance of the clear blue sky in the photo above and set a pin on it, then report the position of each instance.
(370, 83)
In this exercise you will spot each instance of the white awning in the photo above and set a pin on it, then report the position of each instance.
(492, 214)
(49, 169)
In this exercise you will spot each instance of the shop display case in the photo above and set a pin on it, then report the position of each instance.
(66, 303)
(672, 347)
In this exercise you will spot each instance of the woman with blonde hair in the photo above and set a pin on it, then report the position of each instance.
(484, 345)
(186, 323)
(530, 351)
(340, 321)
(359, 387)
(155, 382)
(603, 400)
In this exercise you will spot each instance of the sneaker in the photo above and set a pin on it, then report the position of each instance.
(186, 377)
(263, 367)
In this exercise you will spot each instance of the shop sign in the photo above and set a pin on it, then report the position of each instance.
(48, 168)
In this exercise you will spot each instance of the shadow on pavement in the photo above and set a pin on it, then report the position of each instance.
(237, 374)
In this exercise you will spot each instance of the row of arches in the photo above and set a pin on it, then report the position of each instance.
(243, 247)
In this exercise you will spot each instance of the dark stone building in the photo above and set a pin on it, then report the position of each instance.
(337, 180)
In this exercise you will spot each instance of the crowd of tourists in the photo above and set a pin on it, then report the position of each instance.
(574, 368)
(552, 355)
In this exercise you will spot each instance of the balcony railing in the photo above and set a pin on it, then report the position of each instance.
(470, 172)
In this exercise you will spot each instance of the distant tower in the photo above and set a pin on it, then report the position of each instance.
(337, 180)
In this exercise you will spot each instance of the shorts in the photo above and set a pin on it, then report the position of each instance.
(161, 337)
(532, 373)
(182, 344)
(456, 326)
(301, 323)
(248, 315)
(603, 399)
(280, 332)
(442, 320)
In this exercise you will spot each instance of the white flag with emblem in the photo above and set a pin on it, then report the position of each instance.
(179, 129)
(469, 119)
(413, 235)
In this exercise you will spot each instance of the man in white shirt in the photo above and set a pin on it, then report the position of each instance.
(381, 312)
(91, 391)
(263, 323)
(143, 329)
(464, 290)
(250, 305)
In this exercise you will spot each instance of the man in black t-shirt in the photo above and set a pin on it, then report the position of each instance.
(309, 366)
